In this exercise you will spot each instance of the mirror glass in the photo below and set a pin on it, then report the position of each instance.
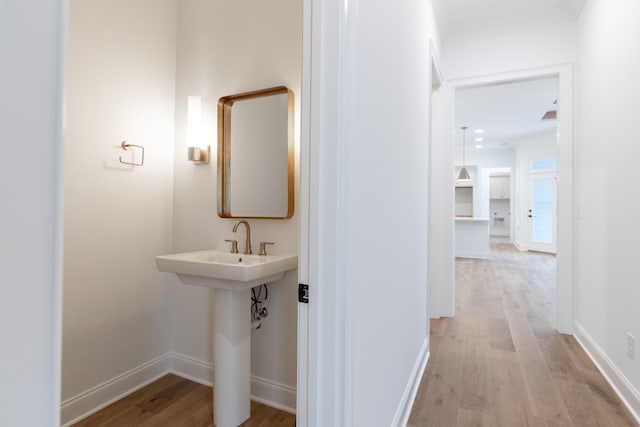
(255, 154)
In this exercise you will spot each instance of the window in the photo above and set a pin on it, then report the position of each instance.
(544, 165)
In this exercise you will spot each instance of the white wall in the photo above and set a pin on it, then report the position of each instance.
(389, 153)
(608, 206)
(226, 48)
(120, 79)
(129, 72)
(30, 247)
(369, 188)
(530, 47)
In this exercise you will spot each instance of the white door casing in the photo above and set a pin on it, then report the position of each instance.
(565, 197)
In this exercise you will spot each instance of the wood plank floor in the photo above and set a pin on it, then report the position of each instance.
(174, 401)
(499, 362)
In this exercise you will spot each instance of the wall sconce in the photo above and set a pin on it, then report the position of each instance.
(195, 153)
(198, 155)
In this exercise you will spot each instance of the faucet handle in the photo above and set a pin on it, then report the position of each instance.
(234, 245)
(263, 248)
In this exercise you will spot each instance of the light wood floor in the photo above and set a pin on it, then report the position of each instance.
(172, 401)
(499, 363)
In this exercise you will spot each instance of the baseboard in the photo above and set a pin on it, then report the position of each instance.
(192, 369)
(408, 397)
(520, 247)
(84, 404)
(620, 384)
(274, 394)
(74, 409)
(268, 392)
(473, 255)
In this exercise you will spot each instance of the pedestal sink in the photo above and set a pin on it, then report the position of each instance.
(232, 276)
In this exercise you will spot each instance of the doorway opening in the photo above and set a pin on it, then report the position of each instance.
(499, 182)
(549, 89)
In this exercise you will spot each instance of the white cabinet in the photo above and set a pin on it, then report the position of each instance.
(499, 187)
(472, 238)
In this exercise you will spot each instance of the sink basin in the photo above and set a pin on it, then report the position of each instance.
(223, 270)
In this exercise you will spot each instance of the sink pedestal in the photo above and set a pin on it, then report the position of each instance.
(231, 276)
(232, 356)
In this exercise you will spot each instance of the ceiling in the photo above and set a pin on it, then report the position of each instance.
(506, 112)
(464, 18)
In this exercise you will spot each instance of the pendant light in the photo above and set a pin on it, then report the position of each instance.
(464, 174)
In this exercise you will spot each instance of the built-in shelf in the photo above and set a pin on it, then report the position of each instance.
(464, 201)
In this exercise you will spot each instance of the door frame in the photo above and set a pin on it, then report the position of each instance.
(326, 357)
(302, 383)
(324, 324)
(564, 319)
(434, 200)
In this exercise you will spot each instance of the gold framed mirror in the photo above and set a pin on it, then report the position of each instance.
(256, 154)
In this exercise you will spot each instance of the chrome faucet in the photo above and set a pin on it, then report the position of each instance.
(247, 247)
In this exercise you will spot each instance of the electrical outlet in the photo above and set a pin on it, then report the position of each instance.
(631, 346)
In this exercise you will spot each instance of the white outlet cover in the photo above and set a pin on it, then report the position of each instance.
(631, 346)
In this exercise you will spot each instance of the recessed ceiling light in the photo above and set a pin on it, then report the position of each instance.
(479, 130)
(478, 145)
(479, 139)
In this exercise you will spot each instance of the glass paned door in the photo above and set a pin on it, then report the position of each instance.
(542, 212)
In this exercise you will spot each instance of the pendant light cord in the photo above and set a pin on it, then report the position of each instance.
(464, 146)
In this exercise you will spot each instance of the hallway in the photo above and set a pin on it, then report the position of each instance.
(500, 363)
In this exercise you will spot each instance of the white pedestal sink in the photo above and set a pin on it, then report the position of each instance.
(232, 276)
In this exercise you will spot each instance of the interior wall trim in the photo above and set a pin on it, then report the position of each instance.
(472, 255)
(614, 376)
(274, 394)
(76, 408)
(96, 398)
(564, 316)
(195, 370)
(408, 397)
(263, 390)
(520, 247)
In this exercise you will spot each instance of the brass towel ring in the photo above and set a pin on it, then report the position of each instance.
(126, 147)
